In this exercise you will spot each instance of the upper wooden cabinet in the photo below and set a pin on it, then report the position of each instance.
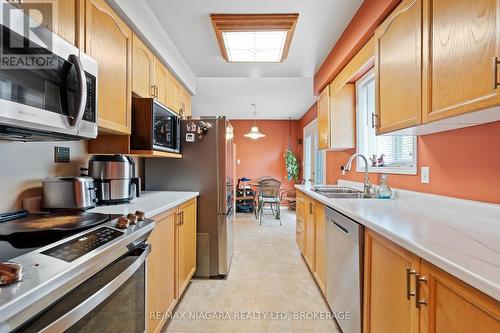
(185, 245)
(161, 291)
(143, 69)
(57, 15)
(109, 40)
(343, 117)
(185, 103)
(398, 68)
(161, 75)
(173, 90)
(324, 119)
(459, 72)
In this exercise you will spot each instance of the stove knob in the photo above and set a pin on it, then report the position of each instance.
(132, 218)
(140, 215)
(122, 223)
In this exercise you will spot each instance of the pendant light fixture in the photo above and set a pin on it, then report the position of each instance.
(254, 133)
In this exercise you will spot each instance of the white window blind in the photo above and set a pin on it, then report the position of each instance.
(389, 154)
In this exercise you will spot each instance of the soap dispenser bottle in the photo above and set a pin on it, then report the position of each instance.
(384, 191)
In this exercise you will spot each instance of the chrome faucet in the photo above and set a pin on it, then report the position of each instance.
(367, 185)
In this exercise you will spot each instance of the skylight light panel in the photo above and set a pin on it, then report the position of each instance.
(254, 46)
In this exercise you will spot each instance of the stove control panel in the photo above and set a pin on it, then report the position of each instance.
(77, 247)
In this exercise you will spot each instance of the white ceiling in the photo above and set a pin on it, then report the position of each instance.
(320, 24)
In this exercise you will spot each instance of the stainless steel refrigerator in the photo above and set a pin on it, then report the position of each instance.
(206, 167)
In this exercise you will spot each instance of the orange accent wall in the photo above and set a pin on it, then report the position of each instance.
(362, 26)
(264, 156)
(463, 163)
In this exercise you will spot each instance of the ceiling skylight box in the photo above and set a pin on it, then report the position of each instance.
(254, 37)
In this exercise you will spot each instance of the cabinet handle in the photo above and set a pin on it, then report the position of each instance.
(374, 120)
(409, 273)
(157, 91)
(153, 93)
(496, 62)
(178, 219)
(419, 280)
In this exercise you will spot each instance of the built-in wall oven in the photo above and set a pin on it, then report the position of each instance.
(48, 87)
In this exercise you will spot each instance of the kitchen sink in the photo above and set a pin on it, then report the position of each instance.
(339, 192)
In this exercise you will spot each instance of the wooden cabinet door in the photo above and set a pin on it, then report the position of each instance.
(56, 15)
(172, 93)
(161, 82)
(161, 269)
(453, 306)
(109, 40)
(143, 69)
(460, 70)
(398, 66)
(186, 245)
(310, 231)
(343, 118)
(324, 119)
(184, 103)
(320, 261)
(300, 224)
(387, 308)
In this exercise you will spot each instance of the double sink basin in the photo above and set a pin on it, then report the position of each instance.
(340, 192)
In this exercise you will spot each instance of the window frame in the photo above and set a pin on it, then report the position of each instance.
(411, 170)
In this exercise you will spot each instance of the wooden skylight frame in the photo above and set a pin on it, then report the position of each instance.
(253, 23)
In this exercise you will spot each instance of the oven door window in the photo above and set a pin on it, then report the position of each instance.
(164, 128)
(94, 307)
(36, 77)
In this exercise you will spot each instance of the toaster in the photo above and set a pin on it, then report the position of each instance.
(68, 193)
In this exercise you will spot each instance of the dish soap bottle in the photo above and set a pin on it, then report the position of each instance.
(384, 191)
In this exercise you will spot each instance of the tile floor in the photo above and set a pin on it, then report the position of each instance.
(268, 277)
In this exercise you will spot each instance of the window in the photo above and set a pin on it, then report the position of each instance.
(314, 159)
(388, 154)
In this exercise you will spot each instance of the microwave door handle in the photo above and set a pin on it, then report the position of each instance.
(74, 315)
(82, 90)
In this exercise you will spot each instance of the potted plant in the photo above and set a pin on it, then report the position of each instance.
(292, 165)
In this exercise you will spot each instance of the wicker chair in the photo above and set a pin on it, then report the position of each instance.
(269, 194)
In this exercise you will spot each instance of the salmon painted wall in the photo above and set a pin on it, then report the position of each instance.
(264, 156)
(463, 163)
(362, 26)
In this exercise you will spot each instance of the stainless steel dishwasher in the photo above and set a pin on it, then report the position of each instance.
(344, 269)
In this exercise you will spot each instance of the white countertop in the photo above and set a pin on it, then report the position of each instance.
(150, 202)
(461, 237)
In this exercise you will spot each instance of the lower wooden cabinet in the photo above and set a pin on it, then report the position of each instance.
(320, 268)
(454, 306)
(300, 223)
(310, 235)
(161, 292)
(172, 261)
(387, 307)
(185, 245)
(404, 293)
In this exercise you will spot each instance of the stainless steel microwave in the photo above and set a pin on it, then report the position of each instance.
(48, 87)
(154, 126)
